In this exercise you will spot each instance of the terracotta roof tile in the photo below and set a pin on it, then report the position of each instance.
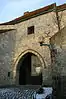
(61, 7)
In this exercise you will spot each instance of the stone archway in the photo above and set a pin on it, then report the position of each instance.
(22, 66)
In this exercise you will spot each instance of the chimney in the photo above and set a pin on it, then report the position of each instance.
(25, 13)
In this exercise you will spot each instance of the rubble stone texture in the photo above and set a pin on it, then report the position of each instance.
(15, 42)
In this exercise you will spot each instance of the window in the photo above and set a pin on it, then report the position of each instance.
(31, 30)
(8, 74)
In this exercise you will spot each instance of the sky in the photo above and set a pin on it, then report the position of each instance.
(11, 9)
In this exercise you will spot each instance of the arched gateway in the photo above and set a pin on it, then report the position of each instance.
(29, 68)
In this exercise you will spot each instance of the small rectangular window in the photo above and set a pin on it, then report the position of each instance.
(8, 74)
(31, 30)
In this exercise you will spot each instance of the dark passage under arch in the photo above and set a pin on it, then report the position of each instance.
(25, 77)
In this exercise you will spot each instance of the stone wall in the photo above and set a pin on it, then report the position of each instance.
(59, 64)
(44, 26)
(59, 42)
(15, 43)
(62, 18)
(7, 44)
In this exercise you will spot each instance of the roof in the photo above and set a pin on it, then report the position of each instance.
(2, 31)
(35, 13)
(61, 7)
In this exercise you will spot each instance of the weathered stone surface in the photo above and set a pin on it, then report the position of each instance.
(7, 44)
(7, 27)
(16, 42)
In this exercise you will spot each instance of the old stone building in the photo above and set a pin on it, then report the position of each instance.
(22, 60)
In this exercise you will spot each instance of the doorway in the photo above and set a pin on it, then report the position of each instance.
(25, 77)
